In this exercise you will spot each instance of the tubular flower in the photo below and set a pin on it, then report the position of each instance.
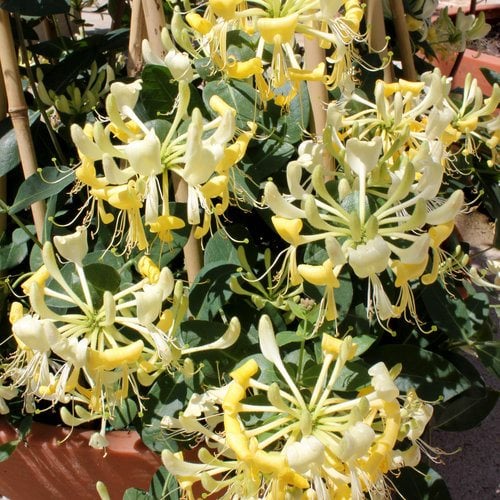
(381, 214)
(333, 25)
(96, 353)
(135, 195)
(303, 441)
(406, 115)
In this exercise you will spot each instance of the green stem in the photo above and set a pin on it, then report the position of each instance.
(6, 209)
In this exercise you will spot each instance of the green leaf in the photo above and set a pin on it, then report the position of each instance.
(14, 253)
(458, 319)
(102, 277)
(220, 248)
(6, 449)
(135, 494)
(164, 485)
(353, 377)
(269, 157)
(80, 56)
(240, 45)
(429, 373)
(165, 398)
(422, 482)
(49, 182)
(9, 151)
(210, 291)
(124, 414)
(36, 8)
(489, 354)
(159, 90)
(293, 123)
(466, 410)
(239, 95)
(491, 76)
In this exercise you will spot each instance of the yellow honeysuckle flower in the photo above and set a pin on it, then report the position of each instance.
(306, 441)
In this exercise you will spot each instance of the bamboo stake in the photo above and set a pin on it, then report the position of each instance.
(318, 96)
(377, 36)
(18, 112)
(3, 179)
(314, 55)
(403, 39)
(193, 256)
(155, 22)
(137, 31)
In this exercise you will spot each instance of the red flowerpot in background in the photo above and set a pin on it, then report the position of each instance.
(56, 463)
(472, 63)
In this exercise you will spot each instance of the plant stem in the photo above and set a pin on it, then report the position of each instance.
(19, 113)
(3, 179)
(5, 210)
(403, 39)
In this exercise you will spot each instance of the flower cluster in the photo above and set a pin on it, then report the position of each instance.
(134, 183)
(380, 209)
(275, 65)
(283, 439)
(90, 351)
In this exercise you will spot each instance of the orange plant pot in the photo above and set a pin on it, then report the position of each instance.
(472, 63)
(56, 463)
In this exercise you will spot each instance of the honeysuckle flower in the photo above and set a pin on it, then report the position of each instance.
(132, 196)
(446, 37)
(97, 360)
(6, 394)
(303, 441)
(387, 217)
(72, 247)
(332, 25)
(77, 100)
(178, 63)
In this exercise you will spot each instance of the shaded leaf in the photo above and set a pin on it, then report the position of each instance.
(49, 182)
(9, 151)
(165, 398)
(135, 494)
(102, 277)
(422, 482)
(38, 8)
(164, 485)
(210, 291)
(458, 319)
(465, 411)
(239, 95)
(124, 414)
(429, 373)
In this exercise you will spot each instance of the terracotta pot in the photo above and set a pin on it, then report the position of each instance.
(47, 466)
(472, 62)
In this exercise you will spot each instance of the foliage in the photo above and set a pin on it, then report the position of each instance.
(330, 309)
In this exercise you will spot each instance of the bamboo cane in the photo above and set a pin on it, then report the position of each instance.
(403, 39)
(137, 31)
(18, 112)
(193, 256)
(314, 55)
(318, 95)
(3, 179)
(377, 35)
(155, 22)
